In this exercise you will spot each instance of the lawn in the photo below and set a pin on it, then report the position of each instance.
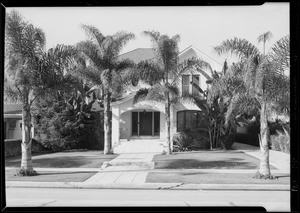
(50, 176)
(212, 178)
(82, 159)
(210, 159)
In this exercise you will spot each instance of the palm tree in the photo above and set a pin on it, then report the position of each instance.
(100, 65)
(31, 72)
(163, 74)
(263, 82)
(264, 37)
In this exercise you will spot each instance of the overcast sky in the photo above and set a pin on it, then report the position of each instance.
(202, 27)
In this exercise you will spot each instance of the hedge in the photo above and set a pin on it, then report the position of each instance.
(12, 147)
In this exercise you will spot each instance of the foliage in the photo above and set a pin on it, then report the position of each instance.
(191, 139)
(258, 175)
(182, 141)
(68, 124)
(98, 62)
(281, 141)
(23, 172)
(263, 80)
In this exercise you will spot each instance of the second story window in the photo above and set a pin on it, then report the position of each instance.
(185, 84)
(187, 87)
(196, 80)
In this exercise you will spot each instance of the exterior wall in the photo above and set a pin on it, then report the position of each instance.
(126, 125)
(121, 118)
(13, 132)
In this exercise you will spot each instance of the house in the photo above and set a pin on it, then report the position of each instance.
(147, 119)
(12, 121)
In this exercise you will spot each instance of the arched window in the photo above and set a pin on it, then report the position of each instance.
(188, 119)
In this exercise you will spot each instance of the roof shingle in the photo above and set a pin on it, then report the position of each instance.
(15, 108)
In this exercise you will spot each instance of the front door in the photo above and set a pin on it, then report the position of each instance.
(145, 123)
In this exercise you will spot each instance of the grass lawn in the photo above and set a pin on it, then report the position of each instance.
(50, 176)
(212, 178)
(209, 159)
(82, 159)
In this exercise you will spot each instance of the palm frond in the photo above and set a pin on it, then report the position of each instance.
(264, 37)
(93, 33)
(150, 72)
(140, 95)
(91, 51)
(280, 54)
(239, 47)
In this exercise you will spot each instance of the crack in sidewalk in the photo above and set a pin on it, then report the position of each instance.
(171, 187)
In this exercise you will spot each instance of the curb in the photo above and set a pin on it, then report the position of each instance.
(148, 186)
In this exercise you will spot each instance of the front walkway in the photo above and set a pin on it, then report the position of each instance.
(128, 167)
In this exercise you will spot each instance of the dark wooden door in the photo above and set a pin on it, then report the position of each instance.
(145, 123)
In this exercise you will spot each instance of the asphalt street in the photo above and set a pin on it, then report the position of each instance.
(37, 197)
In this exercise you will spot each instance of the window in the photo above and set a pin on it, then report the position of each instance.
(196, 80)
(185, 84)
(188, 119)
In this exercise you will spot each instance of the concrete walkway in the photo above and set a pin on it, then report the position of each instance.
(129, 167)
(279, 160)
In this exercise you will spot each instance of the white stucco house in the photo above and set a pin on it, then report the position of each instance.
(147, 119)
(12, 121)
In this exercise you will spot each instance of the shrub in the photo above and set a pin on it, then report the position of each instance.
(182, 141)
(191, 140)
(59, 128)
(227, 141)
(281, 141)
(200, 140)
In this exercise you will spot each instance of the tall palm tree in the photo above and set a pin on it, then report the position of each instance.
(264, 84)
(263, 38)
(101, 66)
(30, 72)
(163, 74)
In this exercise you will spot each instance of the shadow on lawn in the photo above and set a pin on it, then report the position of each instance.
(63, 161)
(231, 163)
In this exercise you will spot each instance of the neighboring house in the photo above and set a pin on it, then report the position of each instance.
(147, 119)
(13, 121)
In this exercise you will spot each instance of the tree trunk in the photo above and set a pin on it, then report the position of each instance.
(264, 134)
(169, 150)
(107, 125)
(26, 161)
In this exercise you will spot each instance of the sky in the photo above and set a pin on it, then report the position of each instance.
(201, 26)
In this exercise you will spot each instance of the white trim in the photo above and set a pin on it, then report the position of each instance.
(13, 116)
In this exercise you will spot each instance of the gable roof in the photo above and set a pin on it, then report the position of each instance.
(15, 108)
(139, 54)
(142, 54)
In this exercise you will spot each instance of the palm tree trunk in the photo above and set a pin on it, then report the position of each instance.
(210, 137)
(26, 161)
(107, 125)
(264, 162)
(168, 113)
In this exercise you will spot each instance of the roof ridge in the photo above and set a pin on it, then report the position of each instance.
(135, 50)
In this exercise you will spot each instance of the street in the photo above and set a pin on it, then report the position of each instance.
(37, 197)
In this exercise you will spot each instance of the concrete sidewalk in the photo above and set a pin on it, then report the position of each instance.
(149, 186)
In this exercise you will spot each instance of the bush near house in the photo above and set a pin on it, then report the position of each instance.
(59, 128)
(12, 147)
(191, 140)
(281, 141)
